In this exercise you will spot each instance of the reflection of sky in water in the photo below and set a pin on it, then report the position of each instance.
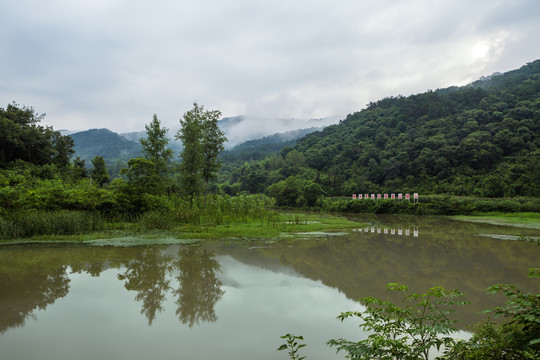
(100, 319)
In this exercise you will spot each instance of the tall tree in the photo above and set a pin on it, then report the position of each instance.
(203, 141)
(63, 150)
(155, 149)
(212, 143)
(22, 139)
(155, 146)
(79, 168)
(190, 134)
(99, 173)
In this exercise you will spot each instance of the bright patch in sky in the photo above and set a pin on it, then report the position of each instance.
(480, 50)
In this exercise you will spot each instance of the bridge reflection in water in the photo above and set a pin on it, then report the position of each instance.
(399, 231)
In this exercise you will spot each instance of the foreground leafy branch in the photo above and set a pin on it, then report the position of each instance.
(519, 338)
(407, 332)
(293, 346)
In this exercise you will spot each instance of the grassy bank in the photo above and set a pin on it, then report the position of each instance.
(81, 227)
(520, 219)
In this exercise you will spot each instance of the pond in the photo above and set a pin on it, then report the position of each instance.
(234, 299)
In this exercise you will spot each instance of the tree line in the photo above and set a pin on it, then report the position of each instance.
(36, 169)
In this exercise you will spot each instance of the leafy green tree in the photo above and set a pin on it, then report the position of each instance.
(203, 141)
(255, 180)
(294, 162)
(79, 170)
(312, 192)
(142, 178)
(286, 192)
(10, 141)
(99, 172)
(21, 137)
(21, 115)
(190, 134)
(212, 144)
(155, 146)
(63, 150)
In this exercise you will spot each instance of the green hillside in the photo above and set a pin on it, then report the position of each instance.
(481, 139)
(103, 142)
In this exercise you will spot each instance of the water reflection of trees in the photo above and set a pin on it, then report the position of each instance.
(32, 278)
(199, 289)
(146, 274)
(29, 280)
(22, 294)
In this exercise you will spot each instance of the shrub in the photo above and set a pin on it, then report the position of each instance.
(408, 332)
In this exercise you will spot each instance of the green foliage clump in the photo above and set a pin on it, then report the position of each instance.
(23, 139)
(518, 338)
(407, 332)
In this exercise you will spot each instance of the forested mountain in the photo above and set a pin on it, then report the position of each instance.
(104, 142)
(481, 139)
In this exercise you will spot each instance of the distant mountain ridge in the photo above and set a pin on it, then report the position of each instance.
(242, 128)
(113, 146)
(106, 143)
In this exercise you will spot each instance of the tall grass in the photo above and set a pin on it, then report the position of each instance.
(22, 224)
(177, 213)
(218, 210)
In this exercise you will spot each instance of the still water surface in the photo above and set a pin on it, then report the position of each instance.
(233, 300)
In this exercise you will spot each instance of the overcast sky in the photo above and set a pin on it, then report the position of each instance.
(114, 63)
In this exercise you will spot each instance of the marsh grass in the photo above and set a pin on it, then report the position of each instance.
(22, 224)
(158, 226)
(279, 225)
(246, 217)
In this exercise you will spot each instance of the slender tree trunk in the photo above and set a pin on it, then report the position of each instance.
(205, 191)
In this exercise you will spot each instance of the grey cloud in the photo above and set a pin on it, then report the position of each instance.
(114, 63)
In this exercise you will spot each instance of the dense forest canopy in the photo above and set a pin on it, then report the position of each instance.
(23, 139)
(481, 140)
